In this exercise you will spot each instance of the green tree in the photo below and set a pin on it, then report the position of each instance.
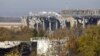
(5, 34)
(58, 34)
(24, 34)
(89, 42)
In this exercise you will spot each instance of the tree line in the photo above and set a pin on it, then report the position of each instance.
(81, 42)
(24, 34)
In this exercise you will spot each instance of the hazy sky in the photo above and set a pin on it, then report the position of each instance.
(23, 7)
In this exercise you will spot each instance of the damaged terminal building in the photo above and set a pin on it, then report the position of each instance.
(44, 20)
(48, 21)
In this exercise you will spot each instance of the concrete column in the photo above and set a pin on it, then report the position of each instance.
(63, 24)
(49, 26)
(37, 26)
(83, 22)
(56, 25)
(43, 25)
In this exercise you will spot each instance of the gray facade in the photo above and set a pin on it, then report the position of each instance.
(80, 12)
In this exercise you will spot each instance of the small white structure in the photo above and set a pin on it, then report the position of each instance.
(9, 44)
(42, 46)
(48, 47)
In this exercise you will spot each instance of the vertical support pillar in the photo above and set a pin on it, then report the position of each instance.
(83, 22)
(63, 24)
(37, 27)
(43, 25)
(56, 25)
(49, 26)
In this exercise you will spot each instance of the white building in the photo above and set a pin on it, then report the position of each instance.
(80, 12)
(9, 44)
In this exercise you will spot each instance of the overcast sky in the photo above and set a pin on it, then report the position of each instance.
(23, 7)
